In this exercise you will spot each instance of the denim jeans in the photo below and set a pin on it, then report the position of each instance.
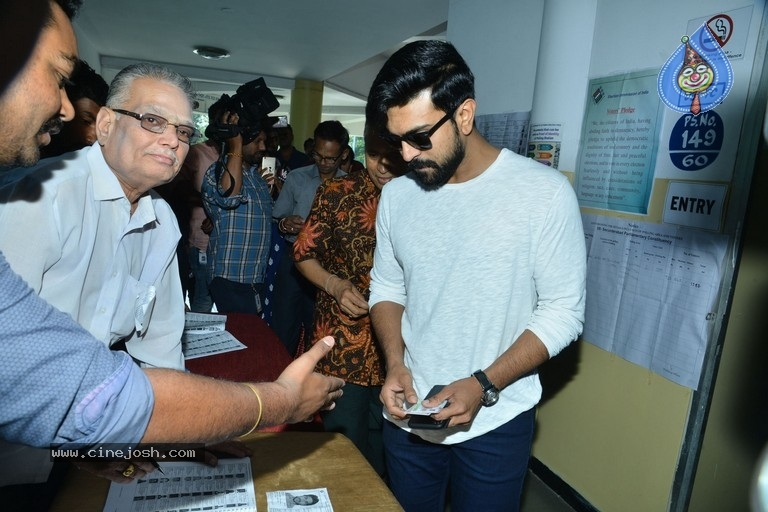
(485, 473)
(232, 297)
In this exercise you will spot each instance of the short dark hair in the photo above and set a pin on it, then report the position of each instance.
(334, 131)
(87, 83)
(70, 8)
(422, 65)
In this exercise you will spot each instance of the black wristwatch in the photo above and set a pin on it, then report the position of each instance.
(490, 392)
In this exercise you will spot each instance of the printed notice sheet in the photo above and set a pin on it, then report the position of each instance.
(505, 130)
(191, 486)
(620, 134)
(205, 335)
(651, 293)
(314, 500)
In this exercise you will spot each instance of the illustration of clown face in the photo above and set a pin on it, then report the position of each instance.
(695, 77)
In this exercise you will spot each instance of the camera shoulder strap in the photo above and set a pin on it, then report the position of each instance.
(221, 166)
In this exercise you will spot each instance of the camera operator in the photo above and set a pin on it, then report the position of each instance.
(237, 200)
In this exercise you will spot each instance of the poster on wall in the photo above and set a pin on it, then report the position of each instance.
(730, 28)
(619, 143)
(544, 143)
(697, 77)
(505, 130)
(705, 73)
(652, 292)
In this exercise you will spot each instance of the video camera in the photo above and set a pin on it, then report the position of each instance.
(252, 102)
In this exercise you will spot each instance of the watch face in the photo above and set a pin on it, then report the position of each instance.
(490, 397)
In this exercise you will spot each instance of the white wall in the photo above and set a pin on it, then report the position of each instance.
(499, 39)
(561, 85)
(88, 51)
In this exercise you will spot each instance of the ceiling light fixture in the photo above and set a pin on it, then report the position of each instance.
(211, 52)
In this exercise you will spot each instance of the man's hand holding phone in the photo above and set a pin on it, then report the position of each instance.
(421, 416)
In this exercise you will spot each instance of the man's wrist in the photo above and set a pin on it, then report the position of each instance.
(490, 393)
(395, 366)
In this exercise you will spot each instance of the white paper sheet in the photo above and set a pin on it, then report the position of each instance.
(651, 293)
(204, 322)
(205, 335)
(191, 486)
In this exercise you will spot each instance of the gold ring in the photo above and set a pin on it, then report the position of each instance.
(129, 471)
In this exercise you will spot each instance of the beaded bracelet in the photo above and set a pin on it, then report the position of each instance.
(235, 154)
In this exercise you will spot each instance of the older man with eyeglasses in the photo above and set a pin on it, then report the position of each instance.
(58, 383)
(108, 256)
(294, 297)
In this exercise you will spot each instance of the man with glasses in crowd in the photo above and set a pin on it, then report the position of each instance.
(478, 278)
(294, 296)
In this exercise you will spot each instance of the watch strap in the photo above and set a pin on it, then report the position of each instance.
(490, 392)
(482, 378)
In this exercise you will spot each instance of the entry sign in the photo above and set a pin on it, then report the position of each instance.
(696, 141)
(696, 205)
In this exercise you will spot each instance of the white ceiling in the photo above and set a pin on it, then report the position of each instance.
(342, 43)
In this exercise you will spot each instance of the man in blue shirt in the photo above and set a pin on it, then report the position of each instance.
(294, 298)
(237, 200)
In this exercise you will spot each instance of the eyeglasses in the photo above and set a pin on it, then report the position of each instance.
(326, 159)
(419, 140)
(157, 124)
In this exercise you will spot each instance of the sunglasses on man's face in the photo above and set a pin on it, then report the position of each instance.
(419, 140)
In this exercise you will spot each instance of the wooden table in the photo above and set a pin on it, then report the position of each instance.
(280, 461)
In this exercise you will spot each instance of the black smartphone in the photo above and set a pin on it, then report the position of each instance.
(418, 421)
